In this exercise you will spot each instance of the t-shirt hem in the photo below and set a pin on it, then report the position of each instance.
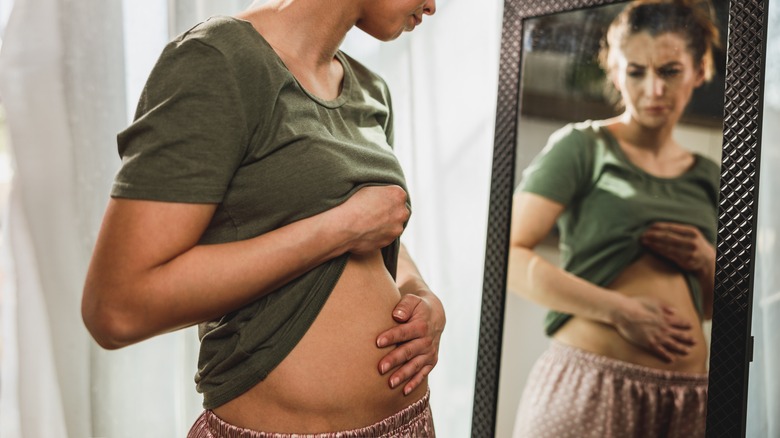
(559, 319)
(206, 196)
(285, 344)
(544, 194)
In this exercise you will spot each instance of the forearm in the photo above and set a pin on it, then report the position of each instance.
(539, 281)
(202, 283)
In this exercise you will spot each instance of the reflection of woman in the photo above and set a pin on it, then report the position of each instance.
(260, 198)
(636, 214)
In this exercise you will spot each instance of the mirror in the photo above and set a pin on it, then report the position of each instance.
(533, 73)
(561, 82)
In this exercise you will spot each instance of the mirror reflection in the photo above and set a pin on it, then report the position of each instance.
(612, 257)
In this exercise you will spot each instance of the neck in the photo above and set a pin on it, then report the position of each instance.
(309, 32)
(653, 140)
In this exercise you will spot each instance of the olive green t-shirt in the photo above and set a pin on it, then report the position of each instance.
(609, 202)
(222, 120)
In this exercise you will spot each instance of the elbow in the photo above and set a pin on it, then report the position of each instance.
(109, 326)
(105, 329)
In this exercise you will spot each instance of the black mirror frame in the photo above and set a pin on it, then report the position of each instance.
(732, 343)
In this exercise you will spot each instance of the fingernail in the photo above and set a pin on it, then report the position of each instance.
(381, 342)
(399, 313)
(407, 390)
(384, 368)
(394, 382)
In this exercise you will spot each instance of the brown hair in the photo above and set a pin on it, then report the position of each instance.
(691, 19)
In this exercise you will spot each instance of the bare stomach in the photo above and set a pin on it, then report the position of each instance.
(649, 276)
(330, 381)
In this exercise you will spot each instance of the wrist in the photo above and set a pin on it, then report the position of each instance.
(335, 228)
(414, 285)
(614, 310)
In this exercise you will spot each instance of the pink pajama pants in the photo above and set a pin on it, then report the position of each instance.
(578, 394)
(414, 421)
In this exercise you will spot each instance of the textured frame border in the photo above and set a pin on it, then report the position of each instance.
(731, 349)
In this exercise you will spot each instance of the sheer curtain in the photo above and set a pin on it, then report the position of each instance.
(56, 85)
(764, 381)
(70, 75)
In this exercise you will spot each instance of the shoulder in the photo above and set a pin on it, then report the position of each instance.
(578, 138)
(220, 32)
(368, 80)
(708, 165)
(363, 73)
(707, 169)
(228, 41)
(221, 55)
(580, 132)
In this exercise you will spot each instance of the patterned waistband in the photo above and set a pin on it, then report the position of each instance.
(561, 352)
(395, 425)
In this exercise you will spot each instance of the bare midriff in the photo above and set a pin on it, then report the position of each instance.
(649, 276)
(331, 380)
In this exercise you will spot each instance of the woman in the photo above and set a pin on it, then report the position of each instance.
(259, 198)
(636, 213)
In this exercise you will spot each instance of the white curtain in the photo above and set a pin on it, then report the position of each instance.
(50, 83)
(70, 73)
(764, 380)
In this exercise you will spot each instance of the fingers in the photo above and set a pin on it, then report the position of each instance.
(402, 333)
(682, 249)
(675, 349)
(417, 380)
(408, 330)
(411, 341)
(674, 340)
(412, 362)
(674, 321)
(683, 340)
(405, 308)
(660, 350)
(668, 240)
(665, 335)
(675, 343)
(671, 347)
(416, 344)
(679, 330)
(671, 227)
(373, 217)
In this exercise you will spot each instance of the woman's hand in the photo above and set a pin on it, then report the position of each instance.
(682, 244)
(655, 327)
(421, 321)
(373, 217)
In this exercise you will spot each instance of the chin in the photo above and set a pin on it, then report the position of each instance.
(654, 123)
(386, 36)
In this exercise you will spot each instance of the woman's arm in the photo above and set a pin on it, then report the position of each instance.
(643, 322)
(537, 280)
(422, 319)
(149, 276)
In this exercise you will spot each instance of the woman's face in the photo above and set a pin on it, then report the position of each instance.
(655, 77)
(385, 20)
